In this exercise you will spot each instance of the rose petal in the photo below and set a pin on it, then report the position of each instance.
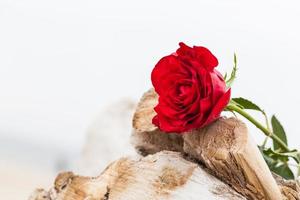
(218, 86)
(165, 68)
(218, 108)
(208, 60)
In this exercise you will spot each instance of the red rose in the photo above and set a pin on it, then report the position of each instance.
(192, 93)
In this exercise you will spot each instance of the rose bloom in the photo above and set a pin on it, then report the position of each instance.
(192, 93)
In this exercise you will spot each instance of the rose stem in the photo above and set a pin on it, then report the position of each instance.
(266, 131)
(268, 127)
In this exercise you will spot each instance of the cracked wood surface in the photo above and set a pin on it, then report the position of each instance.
(224, 147)
(179, 167)
(162, 176)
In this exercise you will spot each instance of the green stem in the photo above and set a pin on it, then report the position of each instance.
(268, 127)
(265, 130)
(267, 121)
(265, 142)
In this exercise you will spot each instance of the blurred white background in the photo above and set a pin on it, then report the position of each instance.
(62, 61)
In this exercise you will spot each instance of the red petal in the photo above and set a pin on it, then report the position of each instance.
(218, 108)
(167, 66)
(208, 60)
(218, 86)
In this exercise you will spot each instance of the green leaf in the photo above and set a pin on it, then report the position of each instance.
(249, 105)
(278, 131)
(232, 77)
(283, 156)
(246, 104)
(278, 162)
(284, 171)
(236, 103)
(269, 160)
(292, 154)
(275, 155)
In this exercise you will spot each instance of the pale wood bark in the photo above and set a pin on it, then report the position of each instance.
(224, 147)
(162, 176)
(220, 161)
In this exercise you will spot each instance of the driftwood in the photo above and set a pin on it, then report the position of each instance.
(220, 161)
(224, 147)
(165, 175)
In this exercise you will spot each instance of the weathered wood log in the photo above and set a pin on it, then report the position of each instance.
(165, 175)
(289, 188)
(147, 138)
(224, 147)
(187, 171)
